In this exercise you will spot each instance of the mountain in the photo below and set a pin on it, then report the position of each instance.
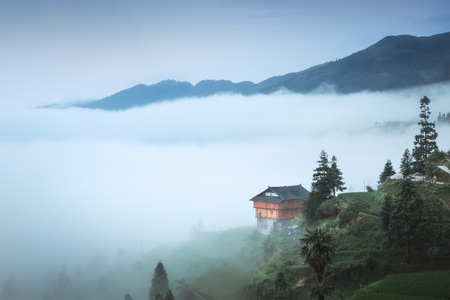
(395, 62)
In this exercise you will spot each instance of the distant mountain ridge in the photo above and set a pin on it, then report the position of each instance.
(395, 62)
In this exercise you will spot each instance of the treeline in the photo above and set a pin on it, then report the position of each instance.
(443, 118)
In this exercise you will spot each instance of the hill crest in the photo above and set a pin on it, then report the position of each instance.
(394, 62)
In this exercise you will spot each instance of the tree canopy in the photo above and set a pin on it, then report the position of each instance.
(388, 171)
(327, 179)
(425, 141)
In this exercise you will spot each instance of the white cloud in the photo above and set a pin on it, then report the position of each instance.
(78, 180)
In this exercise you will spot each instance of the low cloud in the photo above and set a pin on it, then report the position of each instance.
(78, 181)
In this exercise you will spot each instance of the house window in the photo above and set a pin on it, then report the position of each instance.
(271, 194)
(271, 212)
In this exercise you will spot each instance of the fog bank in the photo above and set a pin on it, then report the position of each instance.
(77, 181)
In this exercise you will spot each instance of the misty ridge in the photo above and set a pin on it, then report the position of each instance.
(393, 63)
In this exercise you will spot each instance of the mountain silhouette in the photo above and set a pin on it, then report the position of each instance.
(395, 62)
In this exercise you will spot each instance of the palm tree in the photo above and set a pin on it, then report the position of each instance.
(317, 248)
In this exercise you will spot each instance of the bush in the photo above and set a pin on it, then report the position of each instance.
(326, 210)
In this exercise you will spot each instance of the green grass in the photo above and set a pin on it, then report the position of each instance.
(367, 197)
(422, 285)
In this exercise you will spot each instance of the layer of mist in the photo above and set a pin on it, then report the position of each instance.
(77, 182)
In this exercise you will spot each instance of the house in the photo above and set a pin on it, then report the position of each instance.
(276, 206)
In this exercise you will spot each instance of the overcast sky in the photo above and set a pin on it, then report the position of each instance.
(60, 50)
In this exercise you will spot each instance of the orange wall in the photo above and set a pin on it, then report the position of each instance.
(286, 210)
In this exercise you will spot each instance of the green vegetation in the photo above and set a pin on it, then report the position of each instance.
(420, 285)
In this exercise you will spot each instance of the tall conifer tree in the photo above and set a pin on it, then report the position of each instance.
(388, 171)
(336, 179)
(405, 164)
(160, 283)
(425, 141)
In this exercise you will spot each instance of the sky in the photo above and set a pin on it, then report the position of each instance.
(61, 51)
(78, 181)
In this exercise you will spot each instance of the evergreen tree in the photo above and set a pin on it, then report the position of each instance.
(336, 179)
(321, 177)
(320, 188)
(425, 141)
(127, 297)
(387, 172)
(405, 163)
(406, 215)
(327, 179)
(160, 283)
(63, 284)
(435, 159)
(169, 295)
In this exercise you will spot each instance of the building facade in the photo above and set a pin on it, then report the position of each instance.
(276, 206)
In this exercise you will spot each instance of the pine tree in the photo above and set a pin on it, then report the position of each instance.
(160, 283)
(321, 176)
(127, 297)
(425, 141)
(387, 172)
(336, 179)
(63, 284)
(405, 163)
(320, 188)
(406, 215)
(327, 179)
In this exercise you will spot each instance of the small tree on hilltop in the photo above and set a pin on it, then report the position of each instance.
(321, 176)
(336, 179)
(405, 163)
(387, 172)
(425, 141)
(127, 297)
(327, 179)
(160, 283)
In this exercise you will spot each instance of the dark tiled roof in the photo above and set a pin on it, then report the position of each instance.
(282, 193)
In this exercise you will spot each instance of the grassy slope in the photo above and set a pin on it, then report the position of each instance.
(220, 265)
(423, 285)
(217, 265)
(362, 253)
(365, 257)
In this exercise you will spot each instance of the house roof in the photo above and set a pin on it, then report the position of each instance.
(278, 194)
